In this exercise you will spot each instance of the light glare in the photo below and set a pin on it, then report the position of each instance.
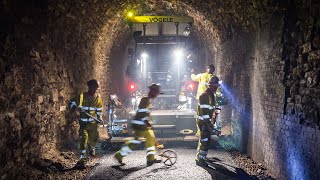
(130, 14)
(178, 52)
(144, 55)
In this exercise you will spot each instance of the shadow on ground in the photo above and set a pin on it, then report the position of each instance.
(215, 164)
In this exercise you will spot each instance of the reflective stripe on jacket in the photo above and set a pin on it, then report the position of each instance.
(205, 107)
(142, 115)
(94, 107)
(203, 79)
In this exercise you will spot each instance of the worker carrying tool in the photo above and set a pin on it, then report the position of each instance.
(89, 106)
(205, 112)
(142, 126)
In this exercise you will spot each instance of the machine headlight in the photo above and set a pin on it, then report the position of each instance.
(133, 101)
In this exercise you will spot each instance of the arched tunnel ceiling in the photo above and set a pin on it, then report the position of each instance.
(51, 48)
(211, 20)
(212, 23)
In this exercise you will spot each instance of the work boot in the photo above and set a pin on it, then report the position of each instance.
(80, 164)
(92, 152)
(117, 156)
(160, 146)
(201, 163)
(150, 163)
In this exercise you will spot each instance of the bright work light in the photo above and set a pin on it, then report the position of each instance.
(144, 55)
(130, 14)
(178, 52)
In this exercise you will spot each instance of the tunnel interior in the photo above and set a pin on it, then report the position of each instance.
(266, 52)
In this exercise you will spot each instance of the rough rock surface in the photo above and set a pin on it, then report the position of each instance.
(267, 53)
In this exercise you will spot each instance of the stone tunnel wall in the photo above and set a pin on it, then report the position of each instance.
(49, 49)
(267, 91)
(32, 93)
(285, 92)
(274, 88)
(233, 67)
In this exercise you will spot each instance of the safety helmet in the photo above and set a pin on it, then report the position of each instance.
(93, 82)
(156, 87)
(211, 66)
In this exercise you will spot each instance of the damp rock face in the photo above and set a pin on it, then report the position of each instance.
(267, 53)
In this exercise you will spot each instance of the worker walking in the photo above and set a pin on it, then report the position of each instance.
(205, 119)
(89, 105)
(142, 126)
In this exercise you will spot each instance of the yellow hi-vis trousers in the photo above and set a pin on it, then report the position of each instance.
(204, 141)
(89, 135)
(131, 145)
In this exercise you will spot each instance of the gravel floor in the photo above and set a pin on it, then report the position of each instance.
(223, 167)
